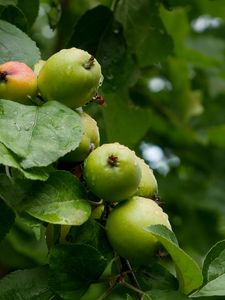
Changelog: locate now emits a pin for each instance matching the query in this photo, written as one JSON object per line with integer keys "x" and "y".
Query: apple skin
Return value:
{"x": 126, "y": 232}
{"x": 70, "y": 76}
{"x": 38, "y": 66}
{"x": 18, "y": 82}
{"x": 112, "y": 172}
{"x": 148, "y": 186}
{"x": 90, "y": 140}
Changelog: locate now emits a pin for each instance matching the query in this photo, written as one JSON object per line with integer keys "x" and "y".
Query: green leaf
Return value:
{"x": 29, "y": 284}
{"x": 92, "y": 233}
{"x": 7, "y": 217}
{"x": 188, "y": 272}
{"x": 165, "y": 295}
{"x": 16, "y": 45}
{"x": 120, "y": 116}
{"x": 39, "y": 135}
{"x": 73, "y": 268}
{"x": 90, "y": 28}
{"x": 214, "y": 287}
{"x": 213, "y": 272}
{"x": 15, "y": 16}
{"x": 214, "y": 263}
{"x": 216, "y": 135}
{"x": 59, "y": 200}
{"x": 144, "y": 30}
{"x": 8, "y": 2}
{"x": 9, "y": 159}
{"x": 22, "y": 248}
{"x": 156, "y": 277}
{"x": 30, "y": 9}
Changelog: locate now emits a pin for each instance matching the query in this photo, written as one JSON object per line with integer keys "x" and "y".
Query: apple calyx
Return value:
{"x": 113, "y": 161}
{"x": 3, "y": 76}
{"x": 90, "y": 63}
{"x": 99, "y": 100}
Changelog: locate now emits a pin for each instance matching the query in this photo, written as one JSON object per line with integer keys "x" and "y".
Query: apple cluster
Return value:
{"x": 112, "y": 172}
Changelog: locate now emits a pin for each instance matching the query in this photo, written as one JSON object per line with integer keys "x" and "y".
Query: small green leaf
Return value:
{"x": 214, "y": 287}
{"x": 213, "y": 272}
{"x": 73, "y": 268}
{"x": 188, "y": 272}
{"x": 9, "y": 159}
{"x": 214, "y": 263}
{"x": 39, "y": 135}
{"x": 7, "y": 218}
{"x": 29, "y": 284}
{"x": 16, "y": 45}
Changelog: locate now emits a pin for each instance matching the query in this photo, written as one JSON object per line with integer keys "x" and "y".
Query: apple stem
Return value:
{"x": 3, "y": 76}
{"x": 113, "y": 161}
{"x": 90, "y": 63}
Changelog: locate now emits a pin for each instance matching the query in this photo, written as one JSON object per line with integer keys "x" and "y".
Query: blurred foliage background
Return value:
{"x": 164, "y": 86}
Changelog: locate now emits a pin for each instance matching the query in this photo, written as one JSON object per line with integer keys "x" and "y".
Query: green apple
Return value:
{"x": 18, "y": 82}
{"x": 38, "y": 66}
{"x": 70, "y": 76}
{"x": 89, "y": 141}
{"x": 112, "y": 172}
{"x": 126, "y": 232}
{"x": 148, "y": 186}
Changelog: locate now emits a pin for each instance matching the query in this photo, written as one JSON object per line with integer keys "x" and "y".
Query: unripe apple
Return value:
{"x": 126, "y": 229}
{"x": 18, "y": 82}
{"x": 90, "y": 140}
{"x": 148, "y": 186}
{"x": 38, "y": 66}
{"x": 70, "y": 76}
{"x": 112, "y": 172}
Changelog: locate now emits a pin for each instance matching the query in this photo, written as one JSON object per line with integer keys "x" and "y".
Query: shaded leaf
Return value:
{"x": 39, "y": 135}
{"x": 30, "y": 9}
{"x": 15, "y": 16}
{"x": 165, "y": 295}
{"x": 22, "y": 248}
{"x": 216, "y": 136}
{"x": 16, "y": 45}
{"x": 29, "y": 284}
{"x": 7, "y": 217}
{"x": 73, "y": 268}
{"x": 144, "y": 30}
{"x": 92, "y": 233}
{"x": 188, "y": 272}
{"x": 156, "y": 277}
